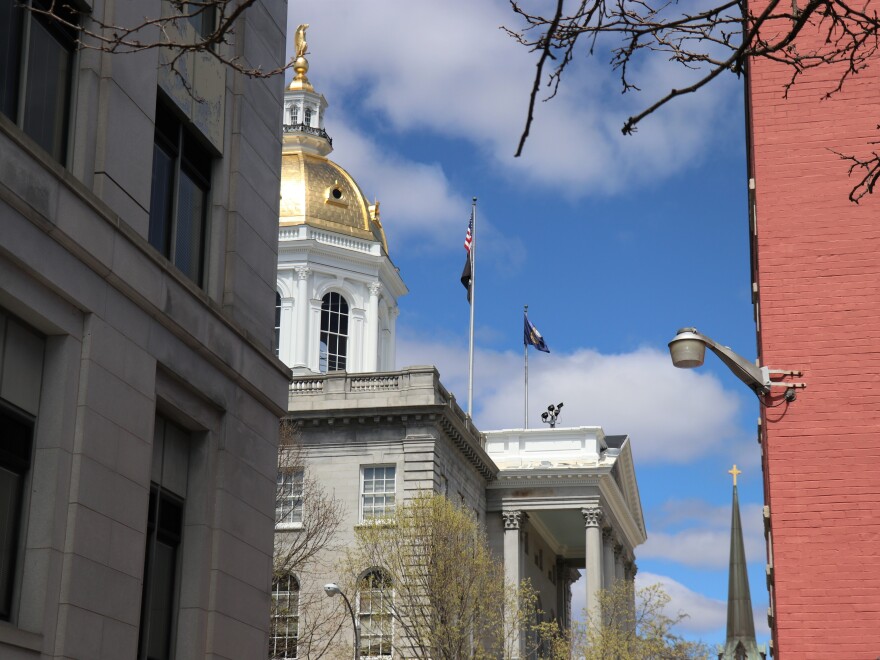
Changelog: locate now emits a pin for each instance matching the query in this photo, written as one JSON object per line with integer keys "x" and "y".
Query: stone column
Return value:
{"x": 391, "y": 352}
{"x": 609, "y": 573}
{"x": 630, "y": 570}
{"x": 618, "y": 561}
{"x": 300, "y": 357}
{"x": 593, "y": 576}
{"x": 371, "y": 350}
{"x": 562, "y": 586}
{"x": 513, "y": 521}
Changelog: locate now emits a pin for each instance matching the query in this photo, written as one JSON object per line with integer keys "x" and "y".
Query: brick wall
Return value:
{"x": 817, "y": 259}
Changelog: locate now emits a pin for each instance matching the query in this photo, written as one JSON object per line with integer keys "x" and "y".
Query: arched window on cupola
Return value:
{"x": 308, "y": 117}
{"x": 294, "y": 114}
{"x": 334, "y": 333}
{"x": 277, "y": 322}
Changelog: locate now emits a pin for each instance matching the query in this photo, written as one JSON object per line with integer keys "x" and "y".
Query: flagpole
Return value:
{"x": 526, "y": 388}
{"x": 473, "y": 297}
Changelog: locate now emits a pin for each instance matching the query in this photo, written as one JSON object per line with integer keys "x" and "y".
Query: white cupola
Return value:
{"x": 337, "y": 290}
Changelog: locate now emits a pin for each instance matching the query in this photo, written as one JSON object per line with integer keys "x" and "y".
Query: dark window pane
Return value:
{"x": 191, "y": 202}
{"x": 15, "y": 456}
{"x": 10, "y": 505}
{"x": 164, "y": 530}
{"x": 10, "y": 56}
{"x": 162, "y": 583}
{"x": 47, "y": 89}
{"x": 201, "y": 17}
{"x": 161, "y": 200}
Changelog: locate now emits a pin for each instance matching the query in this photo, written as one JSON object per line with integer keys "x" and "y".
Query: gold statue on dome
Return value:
{"x": 299, "y": 40}
{"x": 300, "y": 63}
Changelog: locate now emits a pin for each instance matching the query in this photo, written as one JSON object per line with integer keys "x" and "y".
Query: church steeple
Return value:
{"x": 740, "y": 643}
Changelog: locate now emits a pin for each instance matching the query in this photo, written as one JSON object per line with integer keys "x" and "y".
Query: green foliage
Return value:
{"x": 630, "y": 626}
{"x": 450, "y": 601}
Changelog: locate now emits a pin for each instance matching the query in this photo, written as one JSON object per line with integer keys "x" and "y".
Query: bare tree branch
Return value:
{"x": 718, "y": 39}
{"x": 174, "y": 33}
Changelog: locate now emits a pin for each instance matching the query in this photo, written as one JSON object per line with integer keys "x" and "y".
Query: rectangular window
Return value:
{"x": 15, "y": 461}
{"x": 375, "y": 601}
{"x": 289, "y": 498}
{"x": 159, "y": 600}
{"x": 179, "y": 195}
{"x": 202, "y": 16}
{"x": 36, "y": 66}
{"x": 284, "y": 631}
{"x": 377, "y": 492}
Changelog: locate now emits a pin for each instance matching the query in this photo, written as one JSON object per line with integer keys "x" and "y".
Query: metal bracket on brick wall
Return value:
{"x": 783, "y": 373}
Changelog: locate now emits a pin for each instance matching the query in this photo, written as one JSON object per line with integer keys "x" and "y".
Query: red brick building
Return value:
{"x": 816, "y": 269}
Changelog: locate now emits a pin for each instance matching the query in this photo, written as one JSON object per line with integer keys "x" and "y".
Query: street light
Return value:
{"x": 332, "y": 589}
{"x": 551, "y": 415}
{"x": 688, "y": 349}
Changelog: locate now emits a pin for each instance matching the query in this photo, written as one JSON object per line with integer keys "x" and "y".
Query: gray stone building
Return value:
{"x": 139, "y": 392}
{"x": 552, "y": 500}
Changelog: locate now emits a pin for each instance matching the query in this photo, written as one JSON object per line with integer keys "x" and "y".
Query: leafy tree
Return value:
{"x": 708, "y": 38}
{"x": 627, "y": 628}
{"x": 450, "y": 598}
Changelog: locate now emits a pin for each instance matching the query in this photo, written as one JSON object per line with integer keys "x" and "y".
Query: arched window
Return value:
{"x": 334, "y": 333}
{"x": 308, "y": 114}
{"x": 277, "y": 322}
{"x": 294, "y": 115}
{"x": 375, "y": 599}
{"x": 284, "y": 632}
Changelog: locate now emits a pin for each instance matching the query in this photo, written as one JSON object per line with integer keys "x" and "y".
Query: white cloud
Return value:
{"x": 448, "y": 69}
{"x": 671, "y": 415}
{"x": 705, "y": 540}
{"x": 417, "y": 198}
{"x": 704, "y": 614}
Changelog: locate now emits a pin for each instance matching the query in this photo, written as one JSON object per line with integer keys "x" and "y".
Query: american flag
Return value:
{"x": 469, "y": 236}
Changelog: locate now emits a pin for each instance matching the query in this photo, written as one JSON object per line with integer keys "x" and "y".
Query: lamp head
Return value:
{"x": 687, "y": 348}
{"x": 332, "y": 589}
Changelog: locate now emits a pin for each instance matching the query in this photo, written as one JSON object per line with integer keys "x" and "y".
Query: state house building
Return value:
{"x": 551, "y": 500}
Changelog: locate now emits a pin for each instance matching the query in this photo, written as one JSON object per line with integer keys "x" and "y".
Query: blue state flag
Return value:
{"x": 532, "y": 337}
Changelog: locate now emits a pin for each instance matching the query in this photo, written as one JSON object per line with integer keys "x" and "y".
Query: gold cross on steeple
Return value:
{"x": 734, "y": 472}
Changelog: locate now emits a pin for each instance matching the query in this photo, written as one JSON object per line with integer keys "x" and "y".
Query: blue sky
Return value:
{"x": 614, "y": 243}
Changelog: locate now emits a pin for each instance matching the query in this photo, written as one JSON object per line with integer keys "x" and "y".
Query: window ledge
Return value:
{"x": 13, "y": 636}
{"x": 377, "y": 522}
{"x": 288, "y": 527}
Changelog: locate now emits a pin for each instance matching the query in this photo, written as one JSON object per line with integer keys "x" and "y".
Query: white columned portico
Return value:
{"x": 371, "y": 352}
{"x": 513, "y": 521}
{"x": 593, "y": 561}
{"x": 300, "y": 359}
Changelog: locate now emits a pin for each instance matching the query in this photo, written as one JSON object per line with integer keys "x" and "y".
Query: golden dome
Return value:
{"x": 317, "y": 192}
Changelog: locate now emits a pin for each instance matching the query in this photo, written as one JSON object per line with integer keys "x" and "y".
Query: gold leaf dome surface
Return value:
{"x": 317, "y": 192}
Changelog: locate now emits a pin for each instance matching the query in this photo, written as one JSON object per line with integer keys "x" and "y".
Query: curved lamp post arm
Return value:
{"x": 332, "y": 590}
{"x": 689, "y": 346}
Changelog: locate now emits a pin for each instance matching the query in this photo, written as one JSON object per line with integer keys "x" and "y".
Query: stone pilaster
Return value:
{"x": 513, "y": 523}
{"x": 300, "y": 356}
{"x": 371, "y": 349}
